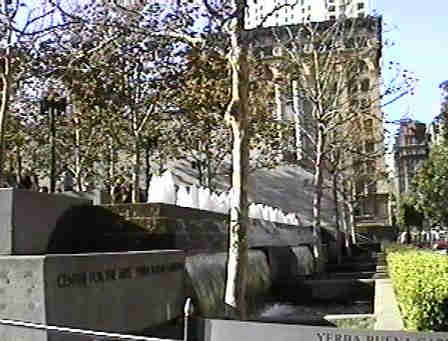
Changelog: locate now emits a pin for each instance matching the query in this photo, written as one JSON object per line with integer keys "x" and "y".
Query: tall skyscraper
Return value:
{"x": 262, "y": 11}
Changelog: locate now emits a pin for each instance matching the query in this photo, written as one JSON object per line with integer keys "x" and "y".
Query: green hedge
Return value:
{"x": 420, "y": 280}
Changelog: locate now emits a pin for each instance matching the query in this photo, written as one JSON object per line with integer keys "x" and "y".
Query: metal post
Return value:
{"x": 188, "y": 311}
{"x": 52, "y": 117}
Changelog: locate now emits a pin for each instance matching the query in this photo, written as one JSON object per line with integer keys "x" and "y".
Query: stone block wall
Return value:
{"x": 114, "y": 292}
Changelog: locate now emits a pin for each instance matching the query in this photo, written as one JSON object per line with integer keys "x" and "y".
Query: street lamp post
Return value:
{"x": 52, "y": 104}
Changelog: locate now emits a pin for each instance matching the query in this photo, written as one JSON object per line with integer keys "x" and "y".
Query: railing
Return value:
{"x": 96, "y": 335}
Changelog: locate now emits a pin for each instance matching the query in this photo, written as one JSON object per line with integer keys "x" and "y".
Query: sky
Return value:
{"x": 419, "y": 30}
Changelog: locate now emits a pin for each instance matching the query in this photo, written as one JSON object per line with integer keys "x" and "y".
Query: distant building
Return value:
{"x": 362, "y": 45}
{"x": 410, "y": 150}
{"x": 304, "y": 11}
{"x": 435, "y": 131}
{"x": 437, "y": 128}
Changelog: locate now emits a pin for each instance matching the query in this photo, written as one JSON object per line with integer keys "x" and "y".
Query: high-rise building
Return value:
{"x": 410, "y": 150}
{"x": 302, "y": 11}
{"x": 438, "y": 127}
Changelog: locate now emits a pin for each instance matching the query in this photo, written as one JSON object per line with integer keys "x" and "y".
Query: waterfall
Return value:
{"x": 194, "y": 193}
{"x": 222, "y": 205}
{"x": 305, "y": 261}
{"x": 206, "y": 274}
{"x": 162, "y": 189}
{"x": 184, "y": 197}
{"x": 205, "y": 202}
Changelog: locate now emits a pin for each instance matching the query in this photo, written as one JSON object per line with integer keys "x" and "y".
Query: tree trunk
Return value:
{"x": 336, "y": 201}
{"x": 344, "y": 218}
{"x": 4, "y": 105}
{"x": 238, "y": 258}
{"x": 235, "y": 295}
{"x": 351, "y": 212}
{"x": 297, "y": 118}
{"x": 111, "y": 171}
{"x": 337, "y": 217}
{"x": 148, "y": 175}
{"x": 78, "y": 154}
{"x": 317, "y": 195}
{"x": 209, "y": 173}
{"x": 347, "y": 235}
{"x": 135, "y": 195}
{"x": 5, "y": 76}
{"x": 19, "y": 164}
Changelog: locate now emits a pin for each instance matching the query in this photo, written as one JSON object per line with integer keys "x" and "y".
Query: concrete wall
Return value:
{"x": 28, "y": 218}
{"x": 224, "y": 330}
{"x": 18, "y": 333}
{"x": 115, "y": 292}
{"x": 33, "y": 223}
{"x": 22, "y": 288}
{"x": 195, "y": 230}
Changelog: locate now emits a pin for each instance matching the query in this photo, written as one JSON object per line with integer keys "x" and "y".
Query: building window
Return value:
{"x": 362, "y": 66}
{"x": 370, "y": 148}
{"x": 332, "y": 17}
{"x": 365, "y": 104}
{"x": 361, "y": 14}
{"x": 365, "y": 85}
{"x": 409, "y": 139}
{"x": 352, "y": 87}
{"x": 354, "y": 104}
{"x": 368, "y": 125}
{"x": 360, "y": 5}
{"x": 331, "y": 8}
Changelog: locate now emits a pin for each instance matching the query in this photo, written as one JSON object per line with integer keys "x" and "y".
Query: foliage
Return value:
{"x": 431, "y": 185}
{"x": 202, "y": 98}
{"x": 409, "y": 214}
{"x": 420, "y": 280}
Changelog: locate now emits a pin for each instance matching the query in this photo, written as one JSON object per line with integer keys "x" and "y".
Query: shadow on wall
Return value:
{"x": 85, "y": 229}
{"x": 90, "y": 229}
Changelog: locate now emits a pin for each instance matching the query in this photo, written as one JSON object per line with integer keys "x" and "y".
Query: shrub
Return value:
{"x": 420, "y": 280}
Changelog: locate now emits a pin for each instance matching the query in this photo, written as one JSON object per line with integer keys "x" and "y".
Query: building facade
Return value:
{"x": 410, "y": 150}
{"x": 359, "y": 107}
{"x": 262, "y": 11}
{"x": 437, "y": 130}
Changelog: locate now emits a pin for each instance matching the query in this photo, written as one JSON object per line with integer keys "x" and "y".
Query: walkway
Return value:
{"x": 387, "y": 313}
